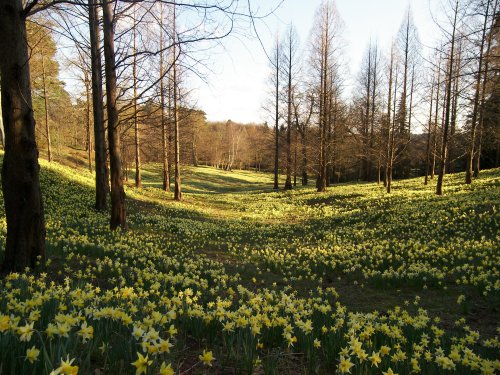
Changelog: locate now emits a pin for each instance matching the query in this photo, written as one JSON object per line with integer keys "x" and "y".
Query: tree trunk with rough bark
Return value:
{"x": 177, "y": 164}
{"x": 288, "y": 180}
{"x": 470, "y": 156}
{"x": 118, "y": 215}
{"x": 89, "y": 122}
{"x": 137, "y": 142}
{"x": 449, "y": 77}
{"x": 276, "y": 117}
{"x": 46, "y": 107}
{"x": 429, "y": 131}
{"x": 25, "y": 243}
{"x": 101, "y": 167}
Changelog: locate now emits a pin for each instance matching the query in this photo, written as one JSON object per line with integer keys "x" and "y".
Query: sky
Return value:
{"x": 237, "y": 82}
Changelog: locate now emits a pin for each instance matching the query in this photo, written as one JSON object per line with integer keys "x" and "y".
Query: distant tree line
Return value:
{"x": 408, "y": 115}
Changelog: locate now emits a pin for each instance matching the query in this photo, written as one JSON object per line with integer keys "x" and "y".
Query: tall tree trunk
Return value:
{"x": 454, "y": 109}
{"x": 372, "y": 117}
{"x": 118, "y": 215}
{"x": 88, "y": 121}
{"x": 138, "y": 180}
{"x": 194, "y": 151}
{"x": 321, "y": 184}
{"x": 429, "y": 131}
{"x": 470, "y": 156}
{"x": 295, "y": 158}
{"x": 444, "y": 145}
{"x": 25, "y": 244}
{"x": 165, "y": 144}
{"x": 304, "y": 158}
{"x": 288, "y": 181}
{"x": 365, "y": 165}
{"x": 392, "y": 137}
{"x": 388, "y": 162}
{"x": 177, "y": 191}
{"x": 101, "y": 166}
{"x": 436, "y": 114}
{"x": 276, "y": 118}
{"x": 46, "y": 107}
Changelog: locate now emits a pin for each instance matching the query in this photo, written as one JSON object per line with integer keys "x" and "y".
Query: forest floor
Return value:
{"x": 268, "y": 281}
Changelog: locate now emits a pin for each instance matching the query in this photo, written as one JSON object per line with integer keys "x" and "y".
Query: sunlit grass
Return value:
{"x": 268, "y": 282}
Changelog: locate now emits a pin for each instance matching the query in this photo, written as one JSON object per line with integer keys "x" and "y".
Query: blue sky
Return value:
{"x": 237, "y": 84}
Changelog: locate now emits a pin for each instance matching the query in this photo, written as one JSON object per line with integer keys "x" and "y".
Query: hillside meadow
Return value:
{"x": 241, "y": 279}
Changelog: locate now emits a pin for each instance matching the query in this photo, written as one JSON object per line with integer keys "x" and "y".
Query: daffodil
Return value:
{"x": 141, "y": 364}
{"x": 375, "y": 359}
{"x": 345, "y": 365}
{"x": 166, "y": 369}
{"x": 206, "y": 358}
{"x": 66, "y": 367}
{"x": 32, "y": 354}
{"x": 389, "y": 372}
{"x": 25, "y": 332}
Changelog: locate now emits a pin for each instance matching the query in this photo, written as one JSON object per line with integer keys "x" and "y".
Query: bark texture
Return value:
{"x": 25, "y": 243}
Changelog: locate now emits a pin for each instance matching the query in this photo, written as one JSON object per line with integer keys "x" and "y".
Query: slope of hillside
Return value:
{"x": 352, "y": 280}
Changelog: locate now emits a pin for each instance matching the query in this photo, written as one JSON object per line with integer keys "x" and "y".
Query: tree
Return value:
{"x": 477, "y": 94}
{"x": 448, "y": 80}
{"x": 489, "y": 146}
{"x": 369, "y": 81}
{"x": 137, "y": 148}
{"x": 101, "y": 169}
{"x": 175, "y": 82}
{"x": 290, "y": 57}
{"x": 47, "y": 90}
{"x": 436, "y": 115}
{"x": 408, "y": 45}
{"x": 429, "y": 135}
{"x": 302, "y": 121}
{"x": 164, "y": 131}
{"x": 275, "y": 62}
{"x": 25, "y": 244}
{"x": 327, "y": 45}
{"x": 390, "y": 123}
{"x": 118, "y": 216}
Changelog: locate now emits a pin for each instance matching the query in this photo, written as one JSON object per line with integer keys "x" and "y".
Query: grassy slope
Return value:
{"x": 366, "y": 221}
{"x": 377, "y": 251}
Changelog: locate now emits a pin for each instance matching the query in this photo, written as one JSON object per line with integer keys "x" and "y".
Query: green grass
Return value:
{"x": 236, "y": 264}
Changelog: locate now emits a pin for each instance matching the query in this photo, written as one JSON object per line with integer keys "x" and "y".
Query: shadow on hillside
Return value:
{"x": 203, "y": 182}
{"x": 328, "y": 200}
{"x": 59, "y": 189}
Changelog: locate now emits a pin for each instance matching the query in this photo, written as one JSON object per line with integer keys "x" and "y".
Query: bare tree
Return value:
{"x": 164, "y": 131}
{"x": 448, "y": 80}
{"x": 276, "y": 61}
{"x": 408, "y": 45}
{"x": 390, "y": 123}
{"x": 325, "y": 68}
{"x": 429, "y": 134}
{"x": 369, "y": 81}
{"x": 477, "y": 94}
{"x": 101, "y": 169}
{"x": 177, "y": 166}
{"x": 303, "y": 106}
{"x": 137, "y": 148}
{"x": 290, "y": 46}
{"x": 118, "y": 216}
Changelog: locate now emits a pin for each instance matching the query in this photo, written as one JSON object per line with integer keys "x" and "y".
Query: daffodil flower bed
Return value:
{"x": 170, "y": 296}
